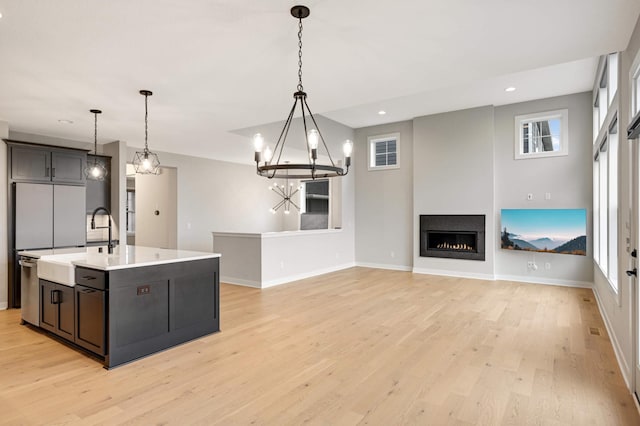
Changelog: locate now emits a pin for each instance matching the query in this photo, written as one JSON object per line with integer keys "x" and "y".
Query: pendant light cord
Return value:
{"x": 300, "y": 88}
{"x": 146, "y": 127}
{"x": 95, "y": 138}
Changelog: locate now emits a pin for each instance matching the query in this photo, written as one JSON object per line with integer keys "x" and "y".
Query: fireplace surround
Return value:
{"x": 453, "y": 236}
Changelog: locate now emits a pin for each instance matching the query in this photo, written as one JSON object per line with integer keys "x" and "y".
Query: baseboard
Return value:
{"x": 4, "y": 306}
{"x": 446, "y": 273}
{"x": 545, "y": 281}
{"x": 239, "y": 281}
{"x": 622, "y": 362}
{"x": 290, "y": 278}
{"x": 385, "y": 266}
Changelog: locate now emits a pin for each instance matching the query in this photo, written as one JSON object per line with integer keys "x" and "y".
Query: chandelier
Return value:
{"x": 146, "y": 162}
{"x": 96, "y": 170}
{"x": 286, "y": 192}
{"x": 312, "y": 169}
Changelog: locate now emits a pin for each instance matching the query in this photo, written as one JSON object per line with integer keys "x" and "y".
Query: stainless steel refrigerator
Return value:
{"x": 47, "y": 216}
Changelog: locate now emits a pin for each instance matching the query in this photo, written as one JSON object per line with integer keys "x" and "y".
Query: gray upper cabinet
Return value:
{"x": 43, "y": 164}
{"x": 32, "y": 164}
{"x": 68, "y": 166}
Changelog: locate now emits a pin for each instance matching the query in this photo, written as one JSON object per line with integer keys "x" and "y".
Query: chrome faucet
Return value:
{"x": 110, "y": 245}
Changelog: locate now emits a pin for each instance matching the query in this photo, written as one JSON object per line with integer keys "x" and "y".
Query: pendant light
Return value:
{"x": 95, "y": 170}
{"x": 312, "y": 136}
{"x": 146, "y": 162}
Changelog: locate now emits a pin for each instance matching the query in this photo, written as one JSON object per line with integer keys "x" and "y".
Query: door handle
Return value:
{"x": 633, "y": 272}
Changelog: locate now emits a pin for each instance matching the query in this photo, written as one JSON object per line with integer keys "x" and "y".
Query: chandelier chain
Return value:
{"x": 300, "y": 88}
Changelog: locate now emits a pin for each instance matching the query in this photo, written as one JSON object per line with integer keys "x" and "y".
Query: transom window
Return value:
{"x": 384, "y": 152}
{"x": 542, "y": 134}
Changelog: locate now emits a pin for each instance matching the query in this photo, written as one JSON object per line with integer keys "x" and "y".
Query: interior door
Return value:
{"x": 635, "y": 294}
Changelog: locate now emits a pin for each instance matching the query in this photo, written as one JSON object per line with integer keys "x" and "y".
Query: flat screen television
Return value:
{"x": 562, "y": 231}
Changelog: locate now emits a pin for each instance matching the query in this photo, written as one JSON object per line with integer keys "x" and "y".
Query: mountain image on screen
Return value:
{"x": 577, "y": 246}
{"x": 561, "y": 231}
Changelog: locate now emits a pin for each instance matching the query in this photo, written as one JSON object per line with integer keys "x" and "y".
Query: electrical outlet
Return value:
{"x": 282, "y": 264}
{"x": 531, "y": 265}
{"x": 547, "y": 195}
{"x": 547, "y": 265}
{"x": 529, "y": 196}
{"x": 393, "y": 254}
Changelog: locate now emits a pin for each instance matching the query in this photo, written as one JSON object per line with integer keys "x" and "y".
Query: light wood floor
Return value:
{"x": 360, "y": 346}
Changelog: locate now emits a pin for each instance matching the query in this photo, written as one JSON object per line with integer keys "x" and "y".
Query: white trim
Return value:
{"x": 290, "y": 278}
{"x": 385, "y": 266}
{"x": 371, "y": 141}
{"x": 239, "y": 281}
{"x": 627, "y": 372}
{"x": 447, "y": 273}
{"x": 4, "y": 306}
{"x": 545, "y": 281}
{"x": 562, "y": 114}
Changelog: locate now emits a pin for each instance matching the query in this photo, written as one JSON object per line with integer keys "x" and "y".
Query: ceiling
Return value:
{"x": 216, "y": 66}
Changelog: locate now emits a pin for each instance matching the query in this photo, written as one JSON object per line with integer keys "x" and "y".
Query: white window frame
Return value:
{"x": 371, "y": 142}
{"x": 562, "y": 114}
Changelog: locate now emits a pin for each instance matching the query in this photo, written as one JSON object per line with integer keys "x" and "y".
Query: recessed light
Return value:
{"x": 0, "y": 14}
{"x": 65, "y": 121}
{"x": 382, "y": 112}
{"x": 510, "y": 89}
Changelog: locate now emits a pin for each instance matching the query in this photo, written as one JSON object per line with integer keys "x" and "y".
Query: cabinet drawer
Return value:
{"x": 91, "y": 278}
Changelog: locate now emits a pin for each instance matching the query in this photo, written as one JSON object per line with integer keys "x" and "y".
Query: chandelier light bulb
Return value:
{"x": 258, "y": 142}
{"x": 268, "y": 154}
{"x": 313, "y": 139}
{"x": 272, "y": 211}
{"x": 347, "y": 148}
{"x": 95, "y": 172}
{"x": 287, "y": 212}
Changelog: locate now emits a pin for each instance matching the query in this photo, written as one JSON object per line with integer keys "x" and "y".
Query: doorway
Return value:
{"x": 152, "y": 209}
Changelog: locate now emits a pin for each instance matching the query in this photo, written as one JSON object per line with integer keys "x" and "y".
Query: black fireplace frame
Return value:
{"x": 464, "y": 223}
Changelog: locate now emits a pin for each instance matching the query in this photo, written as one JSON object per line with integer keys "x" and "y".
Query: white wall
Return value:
{"x": 216, "y": 196}
{"x": 617, "y": 310}
{"x": 4, "y": 195}
{"x": 567, "y": 178}
{"x": 157, "y": 193}
{"x": 453, "y": 172}
{"x": 384, "y": 202}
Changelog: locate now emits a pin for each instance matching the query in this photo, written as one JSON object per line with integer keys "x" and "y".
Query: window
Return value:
{"x": 613, "y": 204}
{"x": 544, "y": 134}
{"x": 604, "y": 189}
{"x": 314, "y": 204}
{"x": 384, "y": 152}
{"x": 605, "y": 205}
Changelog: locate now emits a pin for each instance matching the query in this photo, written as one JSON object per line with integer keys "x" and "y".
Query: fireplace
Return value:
{"x": 452, "y": 236}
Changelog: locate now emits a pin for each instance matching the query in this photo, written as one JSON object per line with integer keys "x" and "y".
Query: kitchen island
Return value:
{"x": 129, "y": 304}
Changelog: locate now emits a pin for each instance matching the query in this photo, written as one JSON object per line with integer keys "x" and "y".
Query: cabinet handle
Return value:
{"x": 46, "y": 172}
{"x": 53, "y": 172}
{"x": 89, "y": 277}
{"x": 55, "y": 297}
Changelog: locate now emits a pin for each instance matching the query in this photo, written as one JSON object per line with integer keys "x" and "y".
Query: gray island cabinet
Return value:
{"x": 135, "y": 302}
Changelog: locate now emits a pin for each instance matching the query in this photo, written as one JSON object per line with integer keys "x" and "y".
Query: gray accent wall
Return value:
{"x": 567, "y": 179}
{"x": 453, "y": 167}
{"x": 462, "y": 162}
{"x": 384, "y": 202}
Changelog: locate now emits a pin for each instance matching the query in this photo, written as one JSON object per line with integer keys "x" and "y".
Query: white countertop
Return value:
{"x": 277, "y": 234}
{"x": 123, "y": 256}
